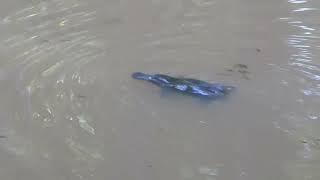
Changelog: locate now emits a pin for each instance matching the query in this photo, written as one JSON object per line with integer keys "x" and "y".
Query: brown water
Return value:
{"x": 70, "y": 110}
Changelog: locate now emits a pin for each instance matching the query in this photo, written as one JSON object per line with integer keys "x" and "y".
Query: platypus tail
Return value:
{"x": 142, "y": 76}
{"x": 222, "y": 88}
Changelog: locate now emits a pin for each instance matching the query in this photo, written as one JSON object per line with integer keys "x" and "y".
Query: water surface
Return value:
{"x": 70, "y": 110}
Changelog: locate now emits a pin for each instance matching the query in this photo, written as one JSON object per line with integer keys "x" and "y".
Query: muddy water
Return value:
{"x": 70, "y": 110}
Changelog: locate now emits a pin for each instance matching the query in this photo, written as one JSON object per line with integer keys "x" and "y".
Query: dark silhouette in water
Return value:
{"x": 186, "y": 85}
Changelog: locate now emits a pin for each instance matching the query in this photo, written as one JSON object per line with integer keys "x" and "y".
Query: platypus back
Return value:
{"x": 185, "y": 85}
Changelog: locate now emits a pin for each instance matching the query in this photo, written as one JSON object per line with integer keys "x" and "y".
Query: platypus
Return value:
{"x": 186, "y": 85}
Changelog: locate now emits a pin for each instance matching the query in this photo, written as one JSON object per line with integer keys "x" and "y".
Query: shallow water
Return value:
{"x": 70, "y": 110}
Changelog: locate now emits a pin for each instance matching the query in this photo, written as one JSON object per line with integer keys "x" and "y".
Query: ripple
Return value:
{"x": 297, "y": 1}
{"x": 52, "y": 45}
{"x": 304, "y": 63}
{"x": 305, "y": 9}
{"x": 306, "y": 28}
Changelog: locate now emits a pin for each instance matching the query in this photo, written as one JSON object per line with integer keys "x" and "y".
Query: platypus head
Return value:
{"x": 142, "y": 76}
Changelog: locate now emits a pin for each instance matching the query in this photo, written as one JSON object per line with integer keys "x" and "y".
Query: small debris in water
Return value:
{"x": 242, "y": 69}
{"x": 81, "y": 96}
{"x": 240, "y": 66}
{"x": 148, "y": 164}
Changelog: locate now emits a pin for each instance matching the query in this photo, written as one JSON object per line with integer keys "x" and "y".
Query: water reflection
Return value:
{"x": 304, "y": 62}
{"x": 52, "y": 44}
{"x": 305, "y": 9}
{"x": 297, "y": 1}
{"x": 304, "y": 44}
